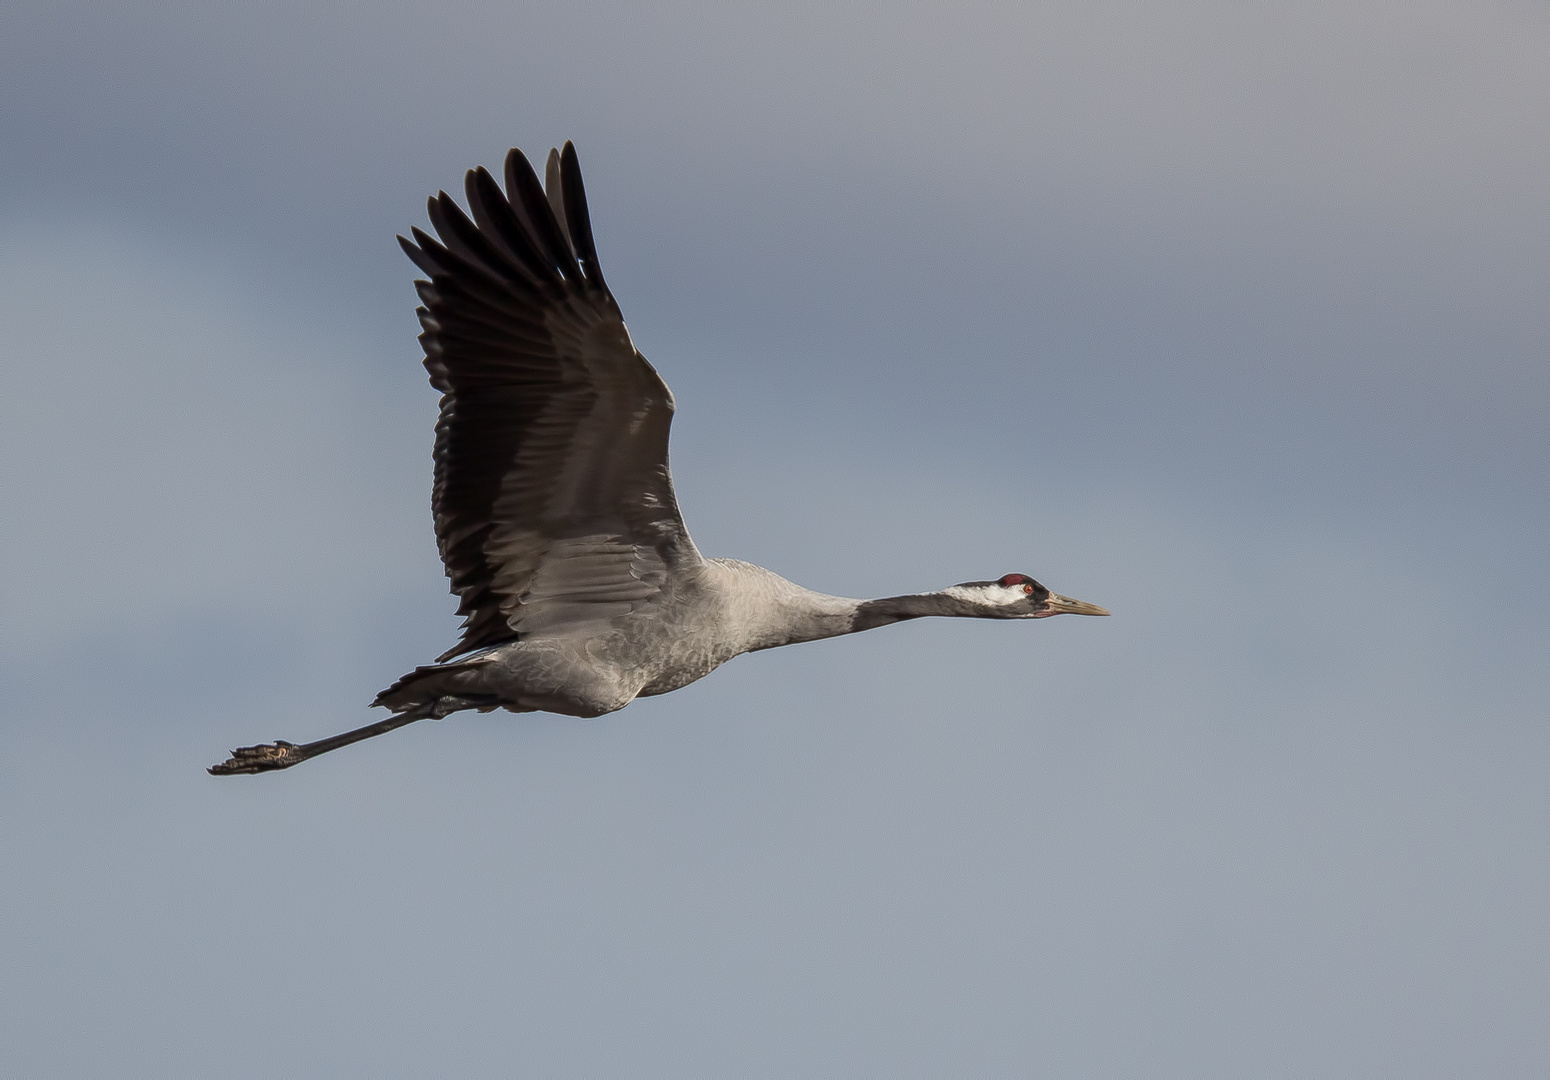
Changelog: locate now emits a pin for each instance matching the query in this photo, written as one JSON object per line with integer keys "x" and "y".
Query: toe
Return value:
{"x": 256, "y": 759}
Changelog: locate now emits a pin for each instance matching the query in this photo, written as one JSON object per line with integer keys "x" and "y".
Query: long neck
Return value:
{"x": 772, "y": 611}
{"x": 892, "y": 609}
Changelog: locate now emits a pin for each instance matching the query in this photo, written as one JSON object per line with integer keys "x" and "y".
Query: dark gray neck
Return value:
{"x": 892, "y": 609}
{"x": 762, "y": 610}
{"x": 806, "y": 616}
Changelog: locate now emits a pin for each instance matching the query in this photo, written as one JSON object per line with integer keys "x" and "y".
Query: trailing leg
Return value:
{"x": 280, "y": 754}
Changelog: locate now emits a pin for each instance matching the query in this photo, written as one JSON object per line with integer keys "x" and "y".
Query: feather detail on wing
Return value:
{"x": 553, "y": 502}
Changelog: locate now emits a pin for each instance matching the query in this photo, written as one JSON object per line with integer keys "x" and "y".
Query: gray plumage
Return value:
{"x": 552, "y": 499}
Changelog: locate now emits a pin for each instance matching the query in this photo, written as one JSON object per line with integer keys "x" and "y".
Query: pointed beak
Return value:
{"x": 1064, "y": 605}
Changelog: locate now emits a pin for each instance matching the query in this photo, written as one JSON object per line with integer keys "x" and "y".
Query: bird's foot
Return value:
{"x": 256, "y": 759}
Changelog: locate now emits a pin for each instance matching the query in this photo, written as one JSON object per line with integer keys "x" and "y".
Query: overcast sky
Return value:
{"x": 1230, "y": 318}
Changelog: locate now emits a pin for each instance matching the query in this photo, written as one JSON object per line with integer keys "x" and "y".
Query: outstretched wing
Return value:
{"x": 553, "y": 502}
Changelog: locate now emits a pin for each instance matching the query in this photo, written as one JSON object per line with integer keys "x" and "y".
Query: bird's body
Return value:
{"x": 725, "y": 609}
{"x": 553, "y": 502}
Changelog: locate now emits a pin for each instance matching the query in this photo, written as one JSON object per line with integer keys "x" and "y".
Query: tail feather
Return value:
{"x": 429, "y": 683}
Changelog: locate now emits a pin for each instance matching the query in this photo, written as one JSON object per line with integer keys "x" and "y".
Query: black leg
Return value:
{"x": 282, "y": 755}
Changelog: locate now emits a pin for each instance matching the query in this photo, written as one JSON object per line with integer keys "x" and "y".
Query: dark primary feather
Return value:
{"x": 578, "y": 223}
{"x": 553, "y": 504}
{"x": 532, "y": 206}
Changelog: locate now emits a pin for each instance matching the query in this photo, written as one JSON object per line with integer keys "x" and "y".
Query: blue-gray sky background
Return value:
{"x": 1231, "y": 318}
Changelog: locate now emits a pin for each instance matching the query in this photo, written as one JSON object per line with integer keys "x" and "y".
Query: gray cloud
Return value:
{"x": 1230, "y": 321}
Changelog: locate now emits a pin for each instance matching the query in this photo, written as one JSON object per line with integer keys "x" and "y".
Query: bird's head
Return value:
{"x": 1018, "y": 596}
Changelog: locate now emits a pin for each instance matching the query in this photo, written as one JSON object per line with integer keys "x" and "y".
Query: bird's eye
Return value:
{"x": 1028, "y": 589}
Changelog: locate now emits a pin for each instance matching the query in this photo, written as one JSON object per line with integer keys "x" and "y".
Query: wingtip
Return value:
{"x": 481, "y": 179}
{"x": 516, "y": 163}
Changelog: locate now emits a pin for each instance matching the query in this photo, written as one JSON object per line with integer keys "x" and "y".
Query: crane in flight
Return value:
{"x": 553, "y": 504}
